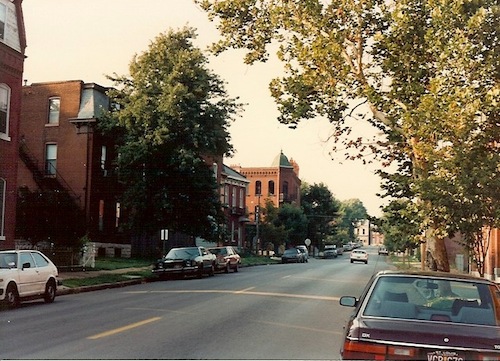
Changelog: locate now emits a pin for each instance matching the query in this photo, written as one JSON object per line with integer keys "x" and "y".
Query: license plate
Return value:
{"x": 444, "y": 356}
{"x": 177, "y": 266}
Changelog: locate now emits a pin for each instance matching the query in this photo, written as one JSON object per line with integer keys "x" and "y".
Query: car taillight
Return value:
{"x": 489, "y": 357}
{"x": 356, "y": 350}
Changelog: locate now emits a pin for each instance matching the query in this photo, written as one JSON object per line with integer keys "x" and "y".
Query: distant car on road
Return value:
{"x": 403, "y": 315}
{"x": 26, "y": 274}
{"x": 330, "y": 251}
{"x": 340, "y": 250}
{"x": 348, "y": 247}
{"x": 383, "y": 250}
{"x": 292, "y": 255}
{"x": 359, "y": 255}
{"x": 184, "y": 261}
{"x": 227, "y": 258}
{"x": 305, "y": 252}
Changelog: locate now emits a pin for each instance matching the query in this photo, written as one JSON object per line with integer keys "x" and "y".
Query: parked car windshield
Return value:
{"x": 7, "y": 260}
{"x": 182, "y": 253}
{"x": 218, "y": 251}
{"x": 434, "y": 299}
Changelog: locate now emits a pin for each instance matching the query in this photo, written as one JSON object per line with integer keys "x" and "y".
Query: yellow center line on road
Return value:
{"x": 245, "y": 290}
{"x": 122, "y": 329}
{"x": 248, "y": 291}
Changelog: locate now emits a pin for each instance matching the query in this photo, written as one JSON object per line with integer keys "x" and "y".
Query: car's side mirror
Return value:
{"x": 348, "y": 301}
{"x": 26, "y": 265}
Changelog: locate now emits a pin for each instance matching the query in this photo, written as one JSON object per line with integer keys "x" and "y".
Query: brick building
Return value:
{"x": 233, "y": 198}
{"x": 12, "y": 47}
{"x": 278, "y": 183}
{"x": 61, "y": 152}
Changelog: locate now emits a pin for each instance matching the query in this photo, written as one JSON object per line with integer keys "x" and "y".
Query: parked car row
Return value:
{"x": 26, "y": 274}
{"x": 197, "y": 261}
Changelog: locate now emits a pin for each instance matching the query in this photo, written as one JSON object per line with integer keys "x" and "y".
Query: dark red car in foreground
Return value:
{"x": 424, "y": 316}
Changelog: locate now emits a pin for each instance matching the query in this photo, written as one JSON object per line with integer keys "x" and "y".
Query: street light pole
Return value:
{"x": 257, "y": 221}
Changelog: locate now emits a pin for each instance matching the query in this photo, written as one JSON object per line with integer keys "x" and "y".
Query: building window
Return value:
{"x": 50, "y": 159}
{"x": 3, "y": 185}
{"x": 233, "y": 197}
{"x": 103, "y": 160}
{"x": 54, "y": 109}
{"x": 117, "y": 214}
{"x": 285, "y": 190}
{"x": 242, "y": 200}
{"x": 258, "y": 188}
{"x": 4, "y": 110}
{"x": 3, "y": 18}
{"x": 225, "y": 195}
{"x": 101, "y": 215}
{"x": 271, "y": 187}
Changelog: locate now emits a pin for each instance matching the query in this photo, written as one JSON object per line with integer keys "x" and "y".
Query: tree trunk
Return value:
{"x": 437, "y": 257}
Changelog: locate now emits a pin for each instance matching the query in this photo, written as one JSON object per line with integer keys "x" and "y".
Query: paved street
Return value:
{"x": 288, "y": 311}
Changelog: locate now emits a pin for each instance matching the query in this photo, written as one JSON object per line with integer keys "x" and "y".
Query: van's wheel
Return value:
{"x": 12, "y": 296}
{"x": 50, "y": 291}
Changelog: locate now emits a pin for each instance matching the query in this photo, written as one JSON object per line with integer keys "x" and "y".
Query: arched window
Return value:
{"x": 271, "y": 187}
{"x": 258, "y": 188}
{"x": 285, "y": 189}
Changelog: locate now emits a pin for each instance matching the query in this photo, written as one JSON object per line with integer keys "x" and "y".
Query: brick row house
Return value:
{"x": 233, "y": 198}
{"x": 62, "y": 154}
{"x": 12, "y": 50}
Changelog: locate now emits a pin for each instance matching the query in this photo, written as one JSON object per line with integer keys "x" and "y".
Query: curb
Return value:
{"x": 103, "y": 286}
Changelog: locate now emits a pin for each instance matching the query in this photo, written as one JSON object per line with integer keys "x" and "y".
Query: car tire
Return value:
{"x": 211, "y": 272}
{"x": 199, "y": 274}
{"x": 50, "y": 291}
{"x": 235, "y": 269}
{"x": 12, "y": 296}
{"x": 366, "y": 262}
{"x": 352, "y": 261}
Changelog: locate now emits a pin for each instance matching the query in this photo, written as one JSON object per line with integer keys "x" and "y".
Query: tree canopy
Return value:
{"x": 170, "y": 119}
{"x": 428, "y": 71}
{"x": 321, "y": 209}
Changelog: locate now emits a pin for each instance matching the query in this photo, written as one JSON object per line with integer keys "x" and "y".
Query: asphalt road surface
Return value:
{"x": 283, "y": 311}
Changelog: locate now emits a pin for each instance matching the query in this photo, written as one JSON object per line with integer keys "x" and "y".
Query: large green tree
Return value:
{"x": 170, "y": 119}
{"x": 286, "y": 225}
{"x": 352, "y": 211}
{"x": 321, "y": 209}
{"x": 392, "y": 57}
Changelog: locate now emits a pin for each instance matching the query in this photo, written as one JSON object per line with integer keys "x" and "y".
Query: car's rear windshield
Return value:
{"x": 434, "y": 299}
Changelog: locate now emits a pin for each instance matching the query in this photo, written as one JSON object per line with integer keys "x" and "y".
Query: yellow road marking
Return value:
{"x": 245, "y": 290}
{"x": 248, "y": 292}
{"x": 124, "y": 328}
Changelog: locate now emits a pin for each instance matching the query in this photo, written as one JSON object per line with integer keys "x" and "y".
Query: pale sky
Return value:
{"x": 88, "y": 39}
